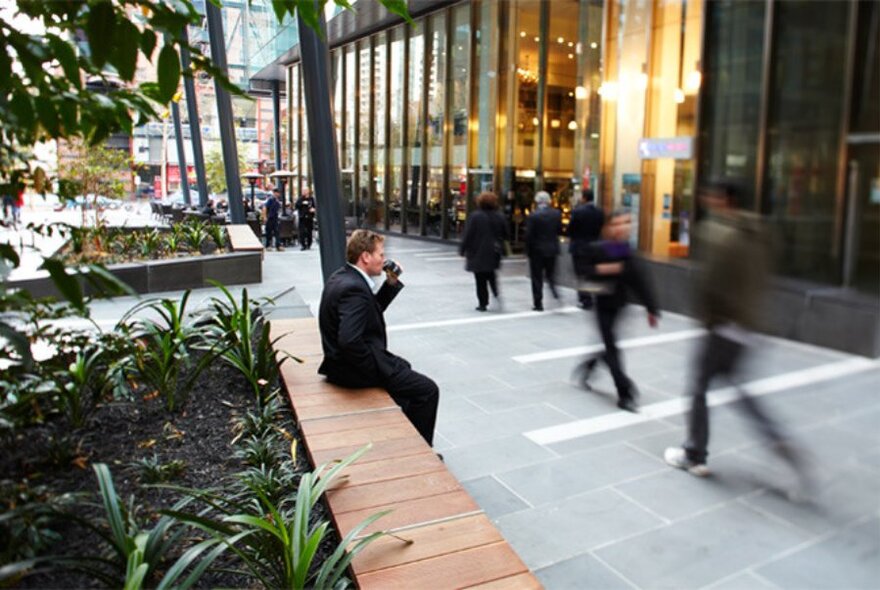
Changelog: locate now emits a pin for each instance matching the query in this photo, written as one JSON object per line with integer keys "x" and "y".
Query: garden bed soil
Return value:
{"x": 120, "y": 433}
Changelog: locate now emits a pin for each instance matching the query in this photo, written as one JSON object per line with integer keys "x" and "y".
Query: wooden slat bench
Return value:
{"x": 242, "y": 239}
{"x": 454, "y": 544}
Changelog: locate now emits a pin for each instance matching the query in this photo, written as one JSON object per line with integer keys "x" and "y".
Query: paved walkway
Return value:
{"x": 578, "y": 487}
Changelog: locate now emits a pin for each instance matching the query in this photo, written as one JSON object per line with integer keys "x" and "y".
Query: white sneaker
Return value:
{"x": 677, "y": 457}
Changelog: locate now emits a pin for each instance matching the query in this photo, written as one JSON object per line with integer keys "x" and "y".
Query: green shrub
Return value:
{"x": 153, "y": 470}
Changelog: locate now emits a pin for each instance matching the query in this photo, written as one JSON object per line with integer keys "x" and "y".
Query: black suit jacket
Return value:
{"x": 584, "y": 228}
{"x": 353, "y": 331}
{"x": 542, "y": 232}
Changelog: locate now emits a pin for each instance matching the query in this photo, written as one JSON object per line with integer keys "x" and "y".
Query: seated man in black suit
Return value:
{"x": 353, "y": 334}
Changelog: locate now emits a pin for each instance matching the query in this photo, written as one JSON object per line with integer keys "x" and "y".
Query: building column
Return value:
{"x": 195, "y": 129}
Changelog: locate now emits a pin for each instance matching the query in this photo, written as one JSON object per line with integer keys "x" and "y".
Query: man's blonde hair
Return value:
{"x": 360, "y": 241}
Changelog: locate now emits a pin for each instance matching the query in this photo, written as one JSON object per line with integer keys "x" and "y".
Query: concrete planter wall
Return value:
{"x": 155, "y": 276}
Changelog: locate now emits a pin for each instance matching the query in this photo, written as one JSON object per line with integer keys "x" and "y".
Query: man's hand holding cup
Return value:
{"x": 392, "y": 270}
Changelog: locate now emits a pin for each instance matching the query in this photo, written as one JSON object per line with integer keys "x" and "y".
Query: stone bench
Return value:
{"x": 454, "y": 544}
{"x": 242, "y": 239}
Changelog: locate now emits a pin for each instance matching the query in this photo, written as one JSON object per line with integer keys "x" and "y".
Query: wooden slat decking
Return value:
{"x": 454, "y": 545}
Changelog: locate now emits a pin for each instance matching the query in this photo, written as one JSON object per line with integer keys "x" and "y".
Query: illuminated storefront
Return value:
{"x": 639, "y": 100}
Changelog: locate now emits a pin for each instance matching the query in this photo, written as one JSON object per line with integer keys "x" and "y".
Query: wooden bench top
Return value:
{"x": 242, "y": 238}
{"x": 454, "y": 544}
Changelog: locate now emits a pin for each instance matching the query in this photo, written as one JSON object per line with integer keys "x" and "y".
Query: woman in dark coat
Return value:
{"x": 483, "y": 244}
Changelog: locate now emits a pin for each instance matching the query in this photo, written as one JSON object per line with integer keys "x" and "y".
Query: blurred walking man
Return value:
{"x": 734, "y": 257}
{"x": 543, "y": 227}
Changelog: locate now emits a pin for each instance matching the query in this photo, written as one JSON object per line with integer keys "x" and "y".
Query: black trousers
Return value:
{"x": 271, "y": 231}
{"x": 607, "y": 310}
{"x": 541, "y": 267}
{"x": 306, "y": 227}
{"x": 418, "y": 397}
{"x": 720, "y": 356}
{"x": 485, "y": 281}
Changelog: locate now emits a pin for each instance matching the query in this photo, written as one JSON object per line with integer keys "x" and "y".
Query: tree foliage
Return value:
{"x": 77, "y": 79}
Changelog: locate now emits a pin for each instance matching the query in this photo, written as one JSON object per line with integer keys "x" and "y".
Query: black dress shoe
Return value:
{"x": 538, "y": 308}
{"x": 480, "y": 308}
{"x": 629, "y": 405}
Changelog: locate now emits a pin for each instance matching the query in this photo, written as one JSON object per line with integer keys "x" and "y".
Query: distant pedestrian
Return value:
{"x": 8, "y": 205}
{"x": 584, "y": 228}
{"x": 271, "y": 208}
{"x": 305, "y": 211}
{"x": 733, "y": 251}
{"x": 17, "y": 204}
{"x": 483, "y": 244}
{"x": 617, "y": 273}
{"x": 543, "y": 228}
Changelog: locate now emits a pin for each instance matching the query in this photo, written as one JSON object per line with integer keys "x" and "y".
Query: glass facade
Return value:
{"x": 639, "y": 100}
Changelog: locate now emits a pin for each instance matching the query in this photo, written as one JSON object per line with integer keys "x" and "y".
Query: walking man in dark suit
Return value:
{"x": 584, "y": 228}
{"x": 305, "y": 210}
{"x": 353, "y": 334}
{"x": 543, "y": 227}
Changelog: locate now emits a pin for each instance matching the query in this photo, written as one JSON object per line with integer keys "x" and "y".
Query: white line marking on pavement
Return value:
{"x": 717, "y": 397}
{"x": 481, "y": 319}
{"x": 562, "y": 353}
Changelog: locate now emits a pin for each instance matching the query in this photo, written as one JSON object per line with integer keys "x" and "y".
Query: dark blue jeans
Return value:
{"x": 271, "y": 231}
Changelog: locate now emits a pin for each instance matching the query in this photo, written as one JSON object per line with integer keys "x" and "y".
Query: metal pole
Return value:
{"x": 851, "y": 232}
{"x": 195, "y": 129}
{"x": 181, "y": 154}
{"x": 276, "y": 119}
{"x": 322, "y": 143}
{"x": 224, "y": 115}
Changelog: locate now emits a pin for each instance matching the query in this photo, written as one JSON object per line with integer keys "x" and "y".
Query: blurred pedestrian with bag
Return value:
{"x": 483, "y": 243}
{"x": 615, "y": 270}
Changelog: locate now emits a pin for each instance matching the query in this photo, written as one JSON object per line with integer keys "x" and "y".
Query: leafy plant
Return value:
{"x": 163, "y": 360}
{"x": 153, "y": 470}
{"x": 138, "y": 552}
{"x": 149, "y": 241}
{"x": 258, "y": 422}
{"x": 218, "y": 234}
{"x": 277, "y": 542}
{"x": 260, "y": 449}
{"x": 195, "y": 235}
{"x": 29, "y": 519}
{"x": 172, "y": 242}
{"x": 78, "y": 386}
{"x": 246, "y": 335}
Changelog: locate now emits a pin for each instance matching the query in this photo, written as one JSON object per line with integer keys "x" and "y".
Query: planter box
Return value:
{"x": 154, "y": 276}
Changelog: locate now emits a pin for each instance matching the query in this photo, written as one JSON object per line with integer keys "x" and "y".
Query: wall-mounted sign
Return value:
{"x": 677, "y": 148}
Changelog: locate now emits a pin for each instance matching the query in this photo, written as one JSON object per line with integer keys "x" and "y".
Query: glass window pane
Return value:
{"x": 436, "y": 125}
{"x": 732, "y": 93}
{"x": 397, "y": 73}
{"x": 456, "y": 207}
{"x": 365, "y": 104}
{"x": 376, "y": 209}
{"x": 348, "y": 161}
{"x": 803, "y": 134}
{"x": 415, "y": 128}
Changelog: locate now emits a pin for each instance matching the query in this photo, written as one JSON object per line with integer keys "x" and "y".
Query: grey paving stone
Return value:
{"x": 453, "y": 409}
{"x": 493, "y": 497}
{"x": 610, "y": 437}
{"x": 578, "y": 573}
{"x": 744, "y": 581}
{"x": 698, "y": 551}
{"x": 555, "y": 532}
{"x": 842, "y": 496}
{"x": 853, "y": 553}
{"x": 561, "y": 397}
{"x": 475, "y": 460}
{"x": 675, "y": 494}
{"x": 554, "y": 480}
{"x": 484, "y": 427}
